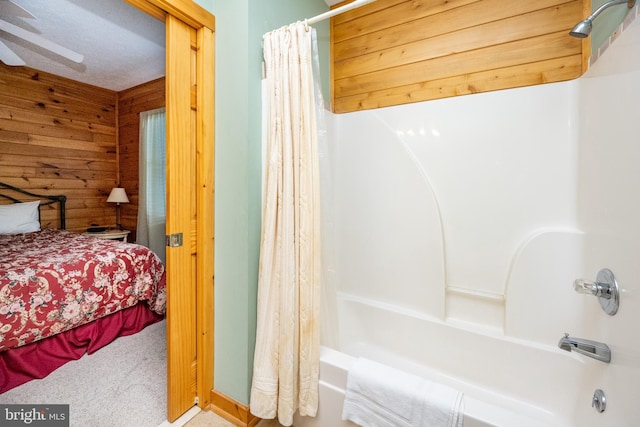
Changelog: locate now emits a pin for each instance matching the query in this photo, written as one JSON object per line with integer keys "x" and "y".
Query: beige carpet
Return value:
{"x": 121, "y": 385}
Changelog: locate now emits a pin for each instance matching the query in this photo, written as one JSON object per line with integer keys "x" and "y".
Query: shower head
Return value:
{"x": 583, "y": 28}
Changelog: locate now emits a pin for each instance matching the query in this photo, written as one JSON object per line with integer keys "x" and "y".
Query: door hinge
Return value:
{"x": 174, "y": 240}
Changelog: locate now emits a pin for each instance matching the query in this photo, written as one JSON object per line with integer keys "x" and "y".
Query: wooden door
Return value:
{"x": 190, "y": 201}
{"x": 181, "y": 219}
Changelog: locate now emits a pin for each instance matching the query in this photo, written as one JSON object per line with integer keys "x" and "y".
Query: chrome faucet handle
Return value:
{"x": 584, "y": 286}
{"x": 605, "y": 288}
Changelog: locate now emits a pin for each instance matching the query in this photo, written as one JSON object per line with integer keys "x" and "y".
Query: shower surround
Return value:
{"x": 454, "y": 230}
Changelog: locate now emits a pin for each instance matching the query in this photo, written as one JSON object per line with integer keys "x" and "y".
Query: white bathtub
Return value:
{"x": 334, "y": 367}
{"x": 505, "y": 382}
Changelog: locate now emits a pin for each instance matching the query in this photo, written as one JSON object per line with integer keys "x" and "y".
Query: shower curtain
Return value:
{"x": 286, "y": 359}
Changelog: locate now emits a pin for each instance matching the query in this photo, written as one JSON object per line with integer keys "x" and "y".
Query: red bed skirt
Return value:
{"x": 38, "y": 359}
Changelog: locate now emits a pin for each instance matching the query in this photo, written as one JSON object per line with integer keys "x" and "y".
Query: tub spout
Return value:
{"x": 593, "y": 349}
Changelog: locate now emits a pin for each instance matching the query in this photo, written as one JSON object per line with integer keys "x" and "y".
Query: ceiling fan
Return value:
{"x": 10, "y": 8}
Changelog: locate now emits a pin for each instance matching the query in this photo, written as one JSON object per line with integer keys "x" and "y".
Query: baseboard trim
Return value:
{"x": 232, "y": 411}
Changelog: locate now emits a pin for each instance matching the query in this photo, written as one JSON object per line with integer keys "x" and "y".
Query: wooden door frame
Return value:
{"x": 203, "y": 23}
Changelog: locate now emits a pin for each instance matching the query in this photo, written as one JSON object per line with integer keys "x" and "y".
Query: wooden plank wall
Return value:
{"x": 58, "y": 136}
{"x": 393, "y": 52}
{"x": 131, "y": 103}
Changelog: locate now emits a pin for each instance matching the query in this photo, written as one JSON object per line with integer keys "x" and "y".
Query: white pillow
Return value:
{"x": 19, "y": 218}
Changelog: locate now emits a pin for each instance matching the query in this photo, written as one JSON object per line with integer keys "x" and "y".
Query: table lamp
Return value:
{"x": 117, "y": 196}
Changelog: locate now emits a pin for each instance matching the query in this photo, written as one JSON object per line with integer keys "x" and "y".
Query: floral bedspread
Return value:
{"x": 53, "y": 280}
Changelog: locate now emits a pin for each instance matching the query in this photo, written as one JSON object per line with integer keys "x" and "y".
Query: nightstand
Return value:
{"x": 110, "y": 234}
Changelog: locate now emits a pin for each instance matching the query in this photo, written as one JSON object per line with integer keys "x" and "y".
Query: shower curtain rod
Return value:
{"x": 353, "y": 5}
{"x": 337, "y": 11}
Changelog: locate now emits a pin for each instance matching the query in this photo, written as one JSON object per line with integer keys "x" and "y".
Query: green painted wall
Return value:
{"x": 240, "y": 25}
{"x": 606, "y": 23}
{"x": 207, "y": 4}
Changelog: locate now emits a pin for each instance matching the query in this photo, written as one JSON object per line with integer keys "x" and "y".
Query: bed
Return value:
{"x": 64, "y": 294}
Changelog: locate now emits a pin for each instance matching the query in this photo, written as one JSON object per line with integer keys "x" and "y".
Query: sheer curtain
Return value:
{"x": 151, "y": 203}
{"x": 286, "y": 359}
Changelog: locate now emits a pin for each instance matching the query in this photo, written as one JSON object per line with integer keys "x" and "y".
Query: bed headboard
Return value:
{"x": 14, "y": 194}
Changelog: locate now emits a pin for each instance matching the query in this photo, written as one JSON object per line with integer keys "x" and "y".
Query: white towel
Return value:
{"x": 381, "y": 396}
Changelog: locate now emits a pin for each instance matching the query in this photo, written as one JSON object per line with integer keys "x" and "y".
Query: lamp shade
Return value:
{"x": 118, "y": 195}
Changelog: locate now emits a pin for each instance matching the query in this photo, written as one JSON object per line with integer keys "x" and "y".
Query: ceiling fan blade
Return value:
{"x": 9, "y": 8}
{"x": 9, "y": 57}
{"x": 40, "y": 41}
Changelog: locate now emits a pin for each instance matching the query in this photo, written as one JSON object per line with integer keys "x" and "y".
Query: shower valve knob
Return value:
{"x": 605, "y": 288}
{"x": 587, "y": 287}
